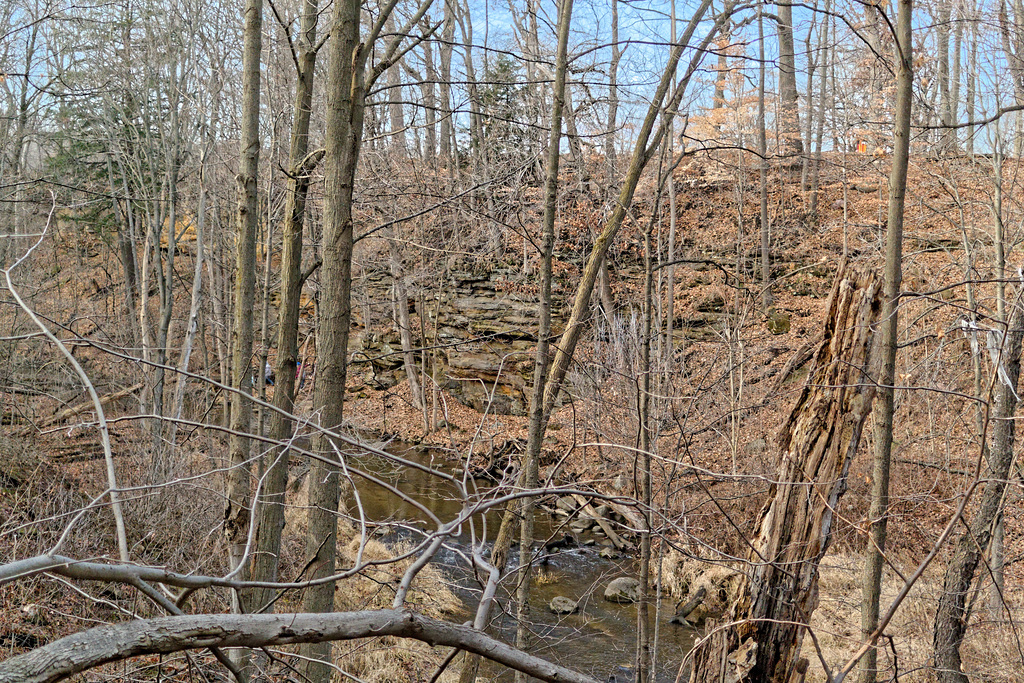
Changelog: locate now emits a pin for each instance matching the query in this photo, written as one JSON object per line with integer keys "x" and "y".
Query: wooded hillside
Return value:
{"x": 580, "y": 341}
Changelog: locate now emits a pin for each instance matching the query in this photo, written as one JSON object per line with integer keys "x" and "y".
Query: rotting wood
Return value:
{"x": 586, "y": 507}
{"x": 760, "y": 639}
{"x": 795, "y": 362}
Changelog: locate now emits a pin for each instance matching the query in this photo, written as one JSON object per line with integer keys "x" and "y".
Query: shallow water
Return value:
{"x": 599, "y": 640}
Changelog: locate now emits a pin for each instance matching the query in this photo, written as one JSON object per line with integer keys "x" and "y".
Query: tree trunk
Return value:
{"x": 760, "y": 639}
{"x": 538, "y": 417}
{"x": 668, "y": 348}
{"x": 80, "y": 652}
{"x": 947, "y": 137}
{"x": 300, "y": 166}
{"x": 790, "y": 124}
{"x": 445, "y": 97}
{"x": 396, "y": 115}
{"x": 237, "y": 506}
{"x": 404, "y": 325}
{"x": 953, "y": 609}
{"x": 613, "y": 96}
{"x": 192, "y": 325}
{"x": 822, "y": 91}
{"x": 644, "y": 636}
{"x": 429, "y": 100}
{"x": 762, "y": 170}
{"x": 972, "y": 65}
{"x": 345, "y": 109}
{"x": 889, "y": 340}
{"x": 721, "y": 71}
{"x": 647, "y": 143}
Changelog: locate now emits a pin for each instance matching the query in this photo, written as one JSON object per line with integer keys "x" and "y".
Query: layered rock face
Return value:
{"x": 485, "y": 337}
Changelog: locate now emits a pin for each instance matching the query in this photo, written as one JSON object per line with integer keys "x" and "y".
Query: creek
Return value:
{"x": 600, "y": 639}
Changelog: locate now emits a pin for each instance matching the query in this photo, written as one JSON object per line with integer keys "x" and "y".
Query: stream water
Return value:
{"x": 600, "y": 639}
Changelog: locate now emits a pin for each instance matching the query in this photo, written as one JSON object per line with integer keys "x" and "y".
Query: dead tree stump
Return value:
{"x": 760, "y": 640}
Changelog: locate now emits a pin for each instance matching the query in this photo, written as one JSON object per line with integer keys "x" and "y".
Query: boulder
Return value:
{"x": 623, "y": 590}
{"x": 566, "y": 504}
{"x": 562, "y": 605}
{"x": 581, "y": 525}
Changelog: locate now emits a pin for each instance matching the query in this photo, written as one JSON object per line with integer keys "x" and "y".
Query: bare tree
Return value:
{"x": 301, "y": 164}
{"x": 889, "y": 340}
{"x": 238, "y": 512}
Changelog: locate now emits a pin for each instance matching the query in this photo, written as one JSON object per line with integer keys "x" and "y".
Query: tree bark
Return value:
{"x": 446, "y": 48}
{"x": 762, "y": 170}
{"x": 761, "y": 637}
{"x": 644, "y": 635}
{"x": 947, "y": 139}
{"x": 791, "y": 140}
{"x": 396, "y": 114}
{"x": 403, "y": 322}
{"x": 538, "y": 417}
{"x": 613, "y": 96}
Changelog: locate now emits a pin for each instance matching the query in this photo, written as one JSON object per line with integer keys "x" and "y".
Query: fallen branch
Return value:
{"x": 88, "y": 649}
{"x": 88, "y": 405}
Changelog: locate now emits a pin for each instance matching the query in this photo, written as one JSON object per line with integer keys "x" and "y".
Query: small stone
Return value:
{"x": 562, "y": 605}
{"x": 608, "y": 554}
{"x": 624, "y": 589}
{"x": 581, "y": 525}
{"x": 756, "y": 446}
{"x": 778, "y": 321}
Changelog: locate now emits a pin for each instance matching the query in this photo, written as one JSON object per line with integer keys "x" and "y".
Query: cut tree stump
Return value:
{"x": 760, "y": 639}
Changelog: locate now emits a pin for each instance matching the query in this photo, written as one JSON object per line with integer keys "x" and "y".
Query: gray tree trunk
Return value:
{"x": 74, "y": 654}
{"x": 889, "y": 340}
{"x": 790, "y": 124}
{"x": 538, "y": 417}
{"x": 345, "y": 109}
{"x": 762, "y": 170}
{"x": 238, "y": 504}
{"x": 300, "y": 166}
